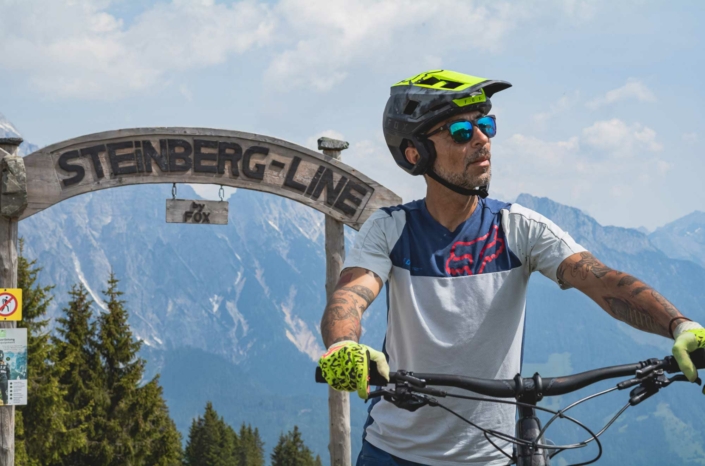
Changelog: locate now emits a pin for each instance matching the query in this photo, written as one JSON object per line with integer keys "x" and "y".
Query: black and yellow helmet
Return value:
{"x": 418, "y": 103}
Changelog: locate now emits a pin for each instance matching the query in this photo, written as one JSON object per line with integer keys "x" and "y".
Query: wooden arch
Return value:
{"x": 201, "y": 155}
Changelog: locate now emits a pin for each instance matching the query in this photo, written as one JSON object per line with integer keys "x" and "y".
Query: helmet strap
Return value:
{"x": 481, "y": 191}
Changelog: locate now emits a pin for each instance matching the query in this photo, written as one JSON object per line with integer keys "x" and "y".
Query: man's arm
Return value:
{"x": 623, "y": 296}
{"x": 356, "y": 289}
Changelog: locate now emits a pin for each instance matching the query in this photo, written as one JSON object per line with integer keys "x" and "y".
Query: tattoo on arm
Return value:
{"x": 631, "y": 314}
{"x": 622, "y": 295}
{"x": 587, "y": 264}
{"x": 361, "y": 291}
{"x": 627, "y": 280}
{"x": 341, "y": 319}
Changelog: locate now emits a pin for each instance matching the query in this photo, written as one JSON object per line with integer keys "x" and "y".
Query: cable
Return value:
{"x": 526, "y": 443}
{"x": 560, "y": 412}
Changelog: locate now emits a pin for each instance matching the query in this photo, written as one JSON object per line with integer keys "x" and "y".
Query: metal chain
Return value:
{"x": 221, "y": 193}
{"x": 173, "y": 191}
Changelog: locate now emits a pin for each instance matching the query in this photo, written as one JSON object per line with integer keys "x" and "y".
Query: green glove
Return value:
{"x": 689, "y": 337}
{"x": 346, "y": 365}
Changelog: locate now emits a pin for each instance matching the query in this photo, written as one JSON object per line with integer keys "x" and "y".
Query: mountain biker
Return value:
{"x": 457, "y": 265}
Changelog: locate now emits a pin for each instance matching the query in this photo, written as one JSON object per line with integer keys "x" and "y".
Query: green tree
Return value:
{"x": 211, "y": 442}
{"x": 291, "y": 451}
{"x": 47, "y": 429}
{"x": 251, "y": 451}
{"x": 133, "y": 425}
{"x": 75, "y": 346}
{"x": 125, "y": 424}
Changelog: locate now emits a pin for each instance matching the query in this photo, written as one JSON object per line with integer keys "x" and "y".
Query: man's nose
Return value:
{"x": 479, "y": 139}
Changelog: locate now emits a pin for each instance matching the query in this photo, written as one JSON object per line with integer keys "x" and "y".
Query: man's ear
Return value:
{"x": 412, "y": 155}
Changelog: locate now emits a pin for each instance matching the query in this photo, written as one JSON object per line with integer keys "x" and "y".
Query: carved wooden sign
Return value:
{"x": 197, "y": 212}
{"x": 200, "y": 155}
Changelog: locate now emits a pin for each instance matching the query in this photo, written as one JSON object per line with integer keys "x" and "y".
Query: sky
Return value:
{"x": 605, "y": 112}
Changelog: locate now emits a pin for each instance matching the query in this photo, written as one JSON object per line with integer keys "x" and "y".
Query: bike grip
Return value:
{"x": 376, "y": 378}
{"x": 698, "y": 358}
{"x": 319, "y": 376}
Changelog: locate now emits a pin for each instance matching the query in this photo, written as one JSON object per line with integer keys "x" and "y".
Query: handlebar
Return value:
{"x": 549, "y": 386}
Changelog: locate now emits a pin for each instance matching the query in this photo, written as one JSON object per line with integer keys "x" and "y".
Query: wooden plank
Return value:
{"x": 197, "y": 212}
{"x": 338, "y": 402}
{"x": 8, "y": 279}
{"x": 201, "y": 155}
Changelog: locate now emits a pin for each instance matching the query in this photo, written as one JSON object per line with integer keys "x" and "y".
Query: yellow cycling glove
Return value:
{"x": 689, "y": 337}
{"x": 346, "y": 366}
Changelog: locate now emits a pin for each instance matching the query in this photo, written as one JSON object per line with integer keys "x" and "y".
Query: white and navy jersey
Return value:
{"x": 456, "y": 306}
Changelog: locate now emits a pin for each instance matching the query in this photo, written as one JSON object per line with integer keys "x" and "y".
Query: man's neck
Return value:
{"x": 448, "y": 208}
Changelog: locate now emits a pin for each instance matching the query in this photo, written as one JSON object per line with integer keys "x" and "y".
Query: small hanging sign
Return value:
{"x": 197, "y": 212}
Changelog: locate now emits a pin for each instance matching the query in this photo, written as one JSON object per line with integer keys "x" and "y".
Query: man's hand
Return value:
{"x": 689, "y": 337}
{"x": 346, "y": 367}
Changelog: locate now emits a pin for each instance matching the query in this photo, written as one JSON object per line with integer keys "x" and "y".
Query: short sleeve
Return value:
{"x": 542, "y": 243}
{"x": 373, "y": 244}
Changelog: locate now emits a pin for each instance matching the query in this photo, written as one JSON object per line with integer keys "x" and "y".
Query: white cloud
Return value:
{"x": 690, "y": 138}
{"x": 563, "y": 104}
{"x": 597, "y": 166}
{"x": 633, "y": 89}
{"x": 619, "y": 139}
{"x": 330, "y": 36}
{"x": 77, "y": 49}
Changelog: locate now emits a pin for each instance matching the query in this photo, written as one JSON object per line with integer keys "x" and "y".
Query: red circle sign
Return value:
{"x": 8, "y": 304}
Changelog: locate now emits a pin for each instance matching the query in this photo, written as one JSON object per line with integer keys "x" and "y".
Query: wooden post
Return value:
{"x": 8, "y": 279}
{"x": 338, "y": 402}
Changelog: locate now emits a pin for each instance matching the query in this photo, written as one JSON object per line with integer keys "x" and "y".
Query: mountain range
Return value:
{"x": 230, "y": 313}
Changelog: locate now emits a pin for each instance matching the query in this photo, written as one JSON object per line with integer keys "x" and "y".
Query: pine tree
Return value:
{"x": 251, "y": 451}
{"x": 133, "y": 423}
{"x": 47, "y": 429}
{"x": 160, "y": 441}
{"x": 76, "y": 352}
{"x": 211, "y": 441}
{"x": 291, "y": 451}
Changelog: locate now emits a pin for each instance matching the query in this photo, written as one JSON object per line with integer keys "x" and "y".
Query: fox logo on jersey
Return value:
{"x": 463, "y": 262}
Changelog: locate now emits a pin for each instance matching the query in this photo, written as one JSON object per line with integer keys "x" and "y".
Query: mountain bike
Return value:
{"x": 412, "y": 391}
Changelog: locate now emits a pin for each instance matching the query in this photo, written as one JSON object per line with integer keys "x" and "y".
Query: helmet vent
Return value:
{"x": 410, "y": 107}
{"x": 429, "y": 81}
{"x": 451, "y": 85}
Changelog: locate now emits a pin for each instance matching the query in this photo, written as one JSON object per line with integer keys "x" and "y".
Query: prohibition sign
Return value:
{"x": 11, "y": 304}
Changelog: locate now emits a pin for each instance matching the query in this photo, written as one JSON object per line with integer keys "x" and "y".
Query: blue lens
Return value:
{"x": 461, "y": 131}
{"x": 488, "y": 126}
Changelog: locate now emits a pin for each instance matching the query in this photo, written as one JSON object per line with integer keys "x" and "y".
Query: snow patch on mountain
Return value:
{"x": 7, "y": 129}
{"x": 82, "y": 278}
{"x": 298, "y": 332}
{"x": 215, "y": 303}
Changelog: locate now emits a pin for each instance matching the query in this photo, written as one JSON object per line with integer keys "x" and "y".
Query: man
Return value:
{"x": 4, "y": 377}
{"x": 457, "y": 266}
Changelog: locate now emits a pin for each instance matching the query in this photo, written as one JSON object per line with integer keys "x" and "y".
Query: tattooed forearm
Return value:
{"x": 627, "y": 280}
{"x": 341, "y": 319}
{"x": 362, "y": 291}
{"x": 623, "y": 296}
{"x": 638, "y": 290}
{"x": 569, "y": 272}
{"x": 631, "y": 314}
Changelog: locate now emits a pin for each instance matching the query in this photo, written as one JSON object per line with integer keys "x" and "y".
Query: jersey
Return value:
{"x": 456, "y": 302}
